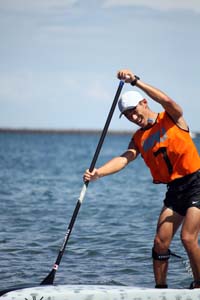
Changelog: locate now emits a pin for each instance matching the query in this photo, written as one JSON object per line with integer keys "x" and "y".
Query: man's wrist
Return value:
{"x": 133, "y": 83}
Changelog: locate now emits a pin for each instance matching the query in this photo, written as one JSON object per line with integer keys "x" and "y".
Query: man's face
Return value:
{"x": 138, "y": 114}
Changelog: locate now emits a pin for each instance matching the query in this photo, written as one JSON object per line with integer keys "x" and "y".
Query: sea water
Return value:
{"x": 111, "y": 242}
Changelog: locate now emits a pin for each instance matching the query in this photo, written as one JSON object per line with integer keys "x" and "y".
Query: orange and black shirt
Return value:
{"x": 167, "y": 150}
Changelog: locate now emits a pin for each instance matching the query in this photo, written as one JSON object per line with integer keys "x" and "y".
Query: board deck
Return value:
{"x": 99, "y": 292}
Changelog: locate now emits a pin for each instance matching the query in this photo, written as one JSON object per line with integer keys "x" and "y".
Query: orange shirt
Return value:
{"x": 167, "y": 150}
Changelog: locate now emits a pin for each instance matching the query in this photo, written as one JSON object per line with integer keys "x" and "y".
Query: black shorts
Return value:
{"x": 183, "y": 193}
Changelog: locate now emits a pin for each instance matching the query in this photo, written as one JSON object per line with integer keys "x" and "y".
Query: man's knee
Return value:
{"x": 160, "y": 245}
{"x": 188, "y": 240}
{"x": 160, "y": 250}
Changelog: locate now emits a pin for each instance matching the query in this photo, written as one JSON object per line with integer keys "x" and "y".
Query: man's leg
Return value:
{"x": 168, "y": 223}
{"x": 189, "y": 237}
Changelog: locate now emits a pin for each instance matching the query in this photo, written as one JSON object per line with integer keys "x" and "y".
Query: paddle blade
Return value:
{"x": 49, "y": 279}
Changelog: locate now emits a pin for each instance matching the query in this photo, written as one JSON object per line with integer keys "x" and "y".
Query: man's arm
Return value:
{"x": 113, "y": 166}
{"x": 173, "y": 109}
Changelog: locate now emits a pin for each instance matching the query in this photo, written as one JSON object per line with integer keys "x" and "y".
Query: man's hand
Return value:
{"x": 126, "y": 75}
{"x": 90, "y": 176}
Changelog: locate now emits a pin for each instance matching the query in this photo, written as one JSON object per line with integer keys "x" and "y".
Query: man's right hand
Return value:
{"x": 90, "y": 176}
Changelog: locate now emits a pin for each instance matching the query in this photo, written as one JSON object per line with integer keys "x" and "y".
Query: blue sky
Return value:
{"x": 59, "y": 58}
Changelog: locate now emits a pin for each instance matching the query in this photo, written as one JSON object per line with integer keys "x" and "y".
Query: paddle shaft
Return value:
{"x": 50, "y": 278}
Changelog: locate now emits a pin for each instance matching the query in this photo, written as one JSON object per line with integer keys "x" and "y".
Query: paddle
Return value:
{"x": 50, "y": 277}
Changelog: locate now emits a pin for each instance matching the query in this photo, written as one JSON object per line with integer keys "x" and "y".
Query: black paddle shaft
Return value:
{"x": 104, "y": 132}
{"x": 50, "y": 277}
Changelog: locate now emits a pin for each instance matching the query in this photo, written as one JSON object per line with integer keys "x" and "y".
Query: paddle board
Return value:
{"x": 99, "y": 292}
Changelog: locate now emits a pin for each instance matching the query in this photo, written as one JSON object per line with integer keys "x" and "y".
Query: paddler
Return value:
{"x": 164, "y": 142}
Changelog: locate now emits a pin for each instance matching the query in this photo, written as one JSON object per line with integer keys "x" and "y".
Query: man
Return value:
{"x": 164, "y": 143}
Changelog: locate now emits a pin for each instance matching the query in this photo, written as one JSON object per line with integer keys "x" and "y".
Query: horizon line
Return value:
{"x": 62, "y": 131}
{"x": 71, "y": 131}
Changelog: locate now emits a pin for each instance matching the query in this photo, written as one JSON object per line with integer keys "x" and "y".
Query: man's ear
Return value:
{"x": 144, "y": 102}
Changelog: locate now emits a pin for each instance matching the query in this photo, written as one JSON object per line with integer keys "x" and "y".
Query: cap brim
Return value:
{"x": 130, "y": 107}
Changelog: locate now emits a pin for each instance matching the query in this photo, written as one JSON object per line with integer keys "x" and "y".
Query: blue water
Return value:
{"x": 40, "y": 181}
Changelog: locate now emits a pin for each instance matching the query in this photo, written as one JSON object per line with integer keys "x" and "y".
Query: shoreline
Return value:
{"x": 73, "y": 131}
{"x": 62, "y": 131}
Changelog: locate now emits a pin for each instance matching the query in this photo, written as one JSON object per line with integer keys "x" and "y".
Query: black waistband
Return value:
{"x": 184, "y": 180}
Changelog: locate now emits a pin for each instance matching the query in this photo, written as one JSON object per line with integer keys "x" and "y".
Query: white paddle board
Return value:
{"x": 99, "y": 292}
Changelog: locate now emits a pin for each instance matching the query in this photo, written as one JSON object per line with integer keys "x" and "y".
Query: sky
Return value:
{"x": 59, "y": 59}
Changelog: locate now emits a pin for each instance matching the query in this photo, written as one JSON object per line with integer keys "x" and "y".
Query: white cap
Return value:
{"x": 129, "y": 100}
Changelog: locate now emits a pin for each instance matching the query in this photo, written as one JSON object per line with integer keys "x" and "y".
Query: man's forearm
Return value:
{"x": 153, "y": 92}
{"x": 113, "y": 166}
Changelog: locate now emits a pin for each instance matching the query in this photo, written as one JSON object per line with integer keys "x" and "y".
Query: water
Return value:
{"x": 40, "y": 181}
